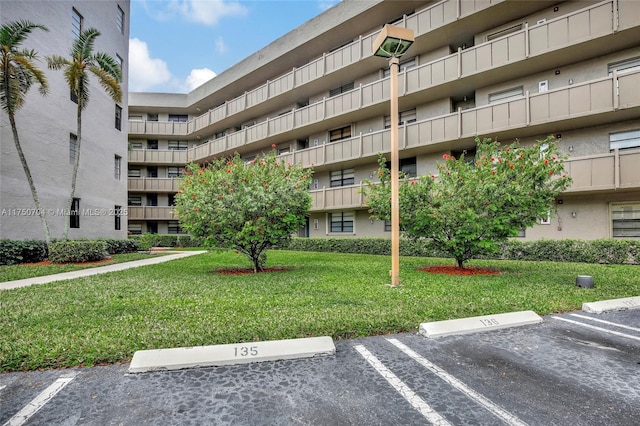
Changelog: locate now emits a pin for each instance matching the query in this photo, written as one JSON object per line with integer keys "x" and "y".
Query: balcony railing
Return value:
{"x": 158, "y": 156}
{"x": 153, "y": 184}
{"x": 582, "y": 25}
{"x": 150, "y": 213}
{"x": 337, "y": 198}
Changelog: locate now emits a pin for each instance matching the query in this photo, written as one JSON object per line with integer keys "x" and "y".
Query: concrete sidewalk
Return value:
{"x": 8, "y": 285}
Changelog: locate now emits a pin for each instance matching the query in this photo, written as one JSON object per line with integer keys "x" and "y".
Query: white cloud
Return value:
{"x": 145, "y": 71}
{"x": 198, "y": 77}
{"x": 207, "y": 12}
{"x": 220, "y": 45}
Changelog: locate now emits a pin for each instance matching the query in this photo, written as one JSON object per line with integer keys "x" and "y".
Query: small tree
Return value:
{"x": 18, "y": 72}
{"x": 246, "y": 207}
{"x": 473, "y": 205}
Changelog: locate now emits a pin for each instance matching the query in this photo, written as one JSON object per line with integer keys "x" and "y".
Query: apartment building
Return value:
{"x": 503, "y": 69}
{"x": 48, "y": 129}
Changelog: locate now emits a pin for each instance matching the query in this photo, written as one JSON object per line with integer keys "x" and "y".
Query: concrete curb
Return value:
{"x": 478, "y": 324}
{"x": 8, "y": 285}
{"x": 230, "y": 354}
{"x": 612, "y": 305}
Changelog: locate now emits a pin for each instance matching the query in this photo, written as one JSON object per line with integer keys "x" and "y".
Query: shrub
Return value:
{"x": 569, "y": 250}
{"x": 77, "y": 251}
{"x": 115, "y": 246}
{"x": 12, "y": 252}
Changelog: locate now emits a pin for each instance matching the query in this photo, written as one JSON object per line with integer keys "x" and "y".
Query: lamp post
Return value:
{"x": 392, "y": 43}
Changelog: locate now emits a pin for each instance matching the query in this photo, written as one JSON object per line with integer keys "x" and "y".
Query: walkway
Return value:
{"x": 8, "y": 285}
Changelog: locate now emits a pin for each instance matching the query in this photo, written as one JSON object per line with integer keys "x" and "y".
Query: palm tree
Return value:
{"x": 76, "y": 72}
{"x": 17, "y": 74}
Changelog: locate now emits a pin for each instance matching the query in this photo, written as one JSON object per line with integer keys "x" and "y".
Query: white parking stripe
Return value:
{"x": 615, "y": 324}
{"x": 593, "y": 327}
{"x": 499, "y": 412}
{"x": 414, "y": 399}
{"x": 38, "y": 402}
{"x": 2, "y": 387}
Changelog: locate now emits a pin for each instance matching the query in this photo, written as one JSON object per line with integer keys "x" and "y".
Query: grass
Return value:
{"x": 106, "y": 318}
{"x": 18, "y": 272}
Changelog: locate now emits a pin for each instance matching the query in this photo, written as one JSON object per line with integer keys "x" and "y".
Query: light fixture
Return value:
{"x": 391, "y": 43}
{"x": 574, "y": 214}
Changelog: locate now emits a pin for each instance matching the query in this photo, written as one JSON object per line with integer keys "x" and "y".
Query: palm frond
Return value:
{"x": 14, "y": 33}
{"x": 108, "y": 82}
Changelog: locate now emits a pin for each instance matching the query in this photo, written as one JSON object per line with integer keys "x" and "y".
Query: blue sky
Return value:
{"x": 176, "y": 45}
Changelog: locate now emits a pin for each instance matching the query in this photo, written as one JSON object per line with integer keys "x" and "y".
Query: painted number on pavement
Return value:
{"x": 489, "y": 322}
{"x": 244, "y": 351}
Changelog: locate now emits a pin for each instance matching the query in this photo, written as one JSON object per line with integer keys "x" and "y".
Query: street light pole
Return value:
{"x": 391, "y": 43}
{"x": 394, "y": 64}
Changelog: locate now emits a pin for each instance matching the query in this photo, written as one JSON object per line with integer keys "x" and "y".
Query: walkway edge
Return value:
{"x": 8, "y": 285}
{"x": 229, "y": 354}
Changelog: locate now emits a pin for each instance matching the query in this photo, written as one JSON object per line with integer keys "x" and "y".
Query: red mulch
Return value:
{"x": 245, "y": 271}
{"x": 455, "y": 270}
{"x": 46, "y": 262}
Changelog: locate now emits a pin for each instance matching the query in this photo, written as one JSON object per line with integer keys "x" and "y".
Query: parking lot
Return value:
{"x": 572, "y": 369}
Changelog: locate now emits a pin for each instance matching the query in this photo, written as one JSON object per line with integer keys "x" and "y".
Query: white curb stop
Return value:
{"x": 478, "y": 324}
{"x": 229, "y": 354}
{"x": 612, "y": 305}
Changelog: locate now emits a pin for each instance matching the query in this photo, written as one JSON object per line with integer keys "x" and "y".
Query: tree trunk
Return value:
{"x": 460, "y": 262}
{"x": 76, "y": 165}
{"x": 27, "y": 171}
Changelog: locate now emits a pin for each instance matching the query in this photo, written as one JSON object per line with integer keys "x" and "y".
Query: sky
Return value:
{"x": 177, "y": 45}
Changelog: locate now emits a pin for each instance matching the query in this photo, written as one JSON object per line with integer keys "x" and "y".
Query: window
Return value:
{"x": 134, "y": 200}
{"x": 135, "y": 145}
{"x": 134, "y": 172}
{"x": 628, "y": 65}
{"x": 625, "y": 220}
{"x": 342, "y": 178}
{"x": 118, "y": 117}
{"x": 117, "y": 167}
{"x": 73, "y": 96}
{"x": 120, "y": 61}
{"x": 504, "y": 32}
{"x": 174, "y": 227}
{"x": 152, "y": 117}
{"x": 405, "y": 117}
{"x": 120, "y": 20}
{"x": 152, "y": 227}
{"x": 338, "y": 90}
{"x": 174, "y": 172}
{"x": 135, "y": 117}
{"x": 403, "y": 66}
{"x": 624, "y": 140}
{"x": 117, "y": 210}
{"x": 76, "y": 24}
{"x": 73, "y": 148}
{"x": 152, "y": 144}
{"x": 152, "y": 200}
{"x": 74, "y": 214}
{"x": 341, "y": 221}
{"x": 504, "y": 95}
{"x": 407, "y": 166}
{"x": 339, "y": 134}
{"x": 178, "y": 145}
{"x": 135, "y": 228}
{"x": 219, "y": 135}
{"x": 172, "y": 200}
{"x": 152, "y": 171}
{"x": 387, "y": 225}
{"x": 180, "y": 118}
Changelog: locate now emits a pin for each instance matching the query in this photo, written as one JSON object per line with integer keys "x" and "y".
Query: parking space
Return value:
{"x": 574, "y": 368}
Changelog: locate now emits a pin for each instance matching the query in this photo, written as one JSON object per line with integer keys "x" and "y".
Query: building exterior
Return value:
{"x": 47, "y": 128}
{"x": 503, "y": 69}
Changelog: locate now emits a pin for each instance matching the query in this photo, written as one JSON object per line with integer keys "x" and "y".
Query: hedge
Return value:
{"x": 606, "y": 251}
{"x": 77, "y": 251}
{"x": 31, "y": 251}
{"x": 146, "y": 241}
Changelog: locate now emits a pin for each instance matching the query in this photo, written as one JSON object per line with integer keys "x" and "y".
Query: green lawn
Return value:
{"x": 106, "y": 318}
{"x": 18, "y": 272}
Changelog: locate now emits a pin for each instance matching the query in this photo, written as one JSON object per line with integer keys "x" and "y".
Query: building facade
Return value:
{"x": 48, "y": 129}
{"x": 504, "y": 69}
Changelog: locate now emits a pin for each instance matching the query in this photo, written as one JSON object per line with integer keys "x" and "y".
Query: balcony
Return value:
{"x": 153, "y": 184}
{"x": 551, "y": 37}
{"x": 344, "y": 197}
{"x": 150, "y": 213}
{"x": 157, "y": 156}
{"x": 606, "y": 172}
{"x": 158, "y": 128}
